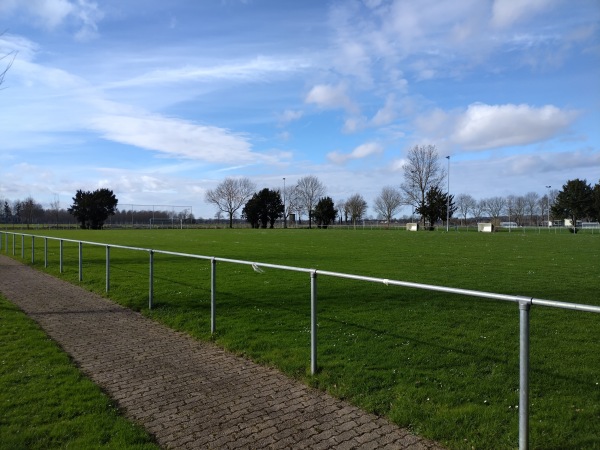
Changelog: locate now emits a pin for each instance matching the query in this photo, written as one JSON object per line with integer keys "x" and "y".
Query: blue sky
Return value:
{"x": 161, "y": 100}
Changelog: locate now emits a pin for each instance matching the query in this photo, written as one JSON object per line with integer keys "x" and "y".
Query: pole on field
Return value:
{"x": 60, "y": 251}
{"x": 151, "y": 280}
{"x": 32, "y": 249}
{"x": 448, "y": 198}
{"x": 45, "y": 252}
{"x": 313, "y": 322}
{"x": 80, "y": 261}
{"x": 524, "y": 307}
{"x": 213, "y": 296}
{"x": 107, "y": 268}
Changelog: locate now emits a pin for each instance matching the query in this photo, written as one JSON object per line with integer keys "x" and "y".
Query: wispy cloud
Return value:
{"x": 82, "y": 15}
{"x": 175, "y": 137}
{"x": 360, "y": 152}
{"x": 259, "y": 68}
{"x": 508, "y": 12}
{"x": 290, "y": 115}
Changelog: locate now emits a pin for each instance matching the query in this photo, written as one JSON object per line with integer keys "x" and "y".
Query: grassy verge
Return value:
{"x": 46, "y": 403}
{"x": 446, "y": 366}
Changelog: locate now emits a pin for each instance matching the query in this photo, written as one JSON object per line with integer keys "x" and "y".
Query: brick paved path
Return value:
{"x": 187, "y": 393}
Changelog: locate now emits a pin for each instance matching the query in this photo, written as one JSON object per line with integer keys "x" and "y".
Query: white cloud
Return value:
{"x": 387, "y": 114}
{"x": 355, "y": 124}
{"x": 482, "y": 127}
{"x": 489, "y": 126}
{"x": 508, "y": 12}
{"x": 518, "y": 174}
{"x": 175, "y": 137}
{"x": 433, "y": 39}
{"x": 290, "y": 115}
{"x": 553, "y": 162}
{"x": 24, "y": 47}
{"x": 51, "y": 14}
{"x": 89, "y": 15}
{"x": 362, "y": 151}
{"x": 330, "y": 97}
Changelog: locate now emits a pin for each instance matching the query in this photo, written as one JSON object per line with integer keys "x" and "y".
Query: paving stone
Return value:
{"x": 188, "y": 393}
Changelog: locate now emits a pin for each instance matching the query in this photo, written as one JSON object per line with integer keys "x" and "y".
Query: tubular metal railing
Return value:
{"x": 524, "y": 303}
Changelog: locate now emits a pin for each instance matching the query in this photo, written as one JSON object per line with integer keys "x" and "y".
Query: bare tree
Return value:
{"x": 388, "y": 203}
{"x": 340, "y": 206}
{"x": 309, "y": 190}
{"x": 494, "y": 206}
{"x": 531, "y": 205}
{"x": 10, "y": 58}
{"x": 422, "y": 172}
{"x": 519, "y": 209}
{"x": 465, "y": 204}
{"x": 357, "y": 206}
{"x": 230, "y": 195}
{"x": 55, "y": 208}
{"x": 185, "y": 216}
{"x": 515, "y": 208}
{"x": 291, "y": 201}
{"x": 478, "y": 209}
{"x": 30, "y": 210}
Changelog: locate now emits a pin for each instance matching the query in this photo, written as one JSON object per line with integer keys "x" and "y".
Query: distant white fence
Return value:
{"x": 524, "y": 303}
{"x": 593, "y": 225}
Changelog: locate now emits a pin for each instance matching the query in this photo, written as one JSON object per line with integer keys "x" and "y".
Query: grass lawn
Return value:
{"x": 443, "y": 365}
{"x": 46, "y": 403}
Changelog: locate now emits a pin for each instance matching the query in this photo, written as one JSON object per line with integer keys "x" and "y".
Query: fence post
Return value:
{"x": 151, "y": 280}
{"x": 22, "y": 246}
{"x": 60, "y": 260}
{"x": 107, "y": 268}
{"x": 524, "y": 307}
{"x": 80, "y": 261}
{"x": 213, "y": 296}
{"x": 14, "y": 239}
{"x": 32, "y": 249}
{"x": 313, "y": 322}
{"x": 46, "y": 252}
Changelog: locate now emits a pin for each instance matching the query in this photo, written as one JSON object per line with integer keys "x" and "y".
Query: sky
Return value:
{"x": 162, "y": 100}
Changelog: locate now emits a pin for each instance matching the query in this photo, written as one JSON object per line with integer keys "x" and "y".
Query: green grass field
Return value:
{"x": 46, "y": 403}
{"x": 443, "y": 365}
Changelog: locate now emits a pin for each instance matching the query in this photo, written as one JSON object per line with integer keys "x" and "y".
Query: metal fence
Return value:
{"x": 524, "y": 303}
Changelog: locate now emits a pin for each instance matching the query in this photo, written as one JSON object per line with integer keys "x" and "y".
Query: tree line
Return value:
{"x": 262, "y": 208}
{"x": 89, "y": 209}
{"x": 422, "y": 190}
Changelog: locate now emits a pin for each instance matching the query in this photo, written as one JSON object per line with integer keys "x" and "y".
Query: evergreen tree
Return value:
{"x": 265, "y": 207}
{"x": 435, "y": 205}
{"x": 324, "y": 212}
{"x": 91, "y": 209}
{"x": 574, "y": 202}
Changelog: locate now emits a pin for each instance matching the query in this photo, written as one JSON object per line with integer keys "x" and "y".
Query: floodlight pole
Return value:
{"x": 284, "y": 214}
{"x": 448, "y": 198}
{"x": 548, "y": 187}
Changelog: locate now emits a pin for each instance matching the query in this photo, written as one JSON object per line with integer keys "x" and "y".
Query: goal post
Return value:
{"x": 166, "y": 223}
{"x": 485, "y": 227}
{"x": 155, "y": 216}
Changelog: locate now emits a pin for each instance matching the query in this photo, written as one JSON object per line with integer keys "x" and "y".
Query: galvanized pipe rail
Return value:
{"x": 524, "y": 303}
